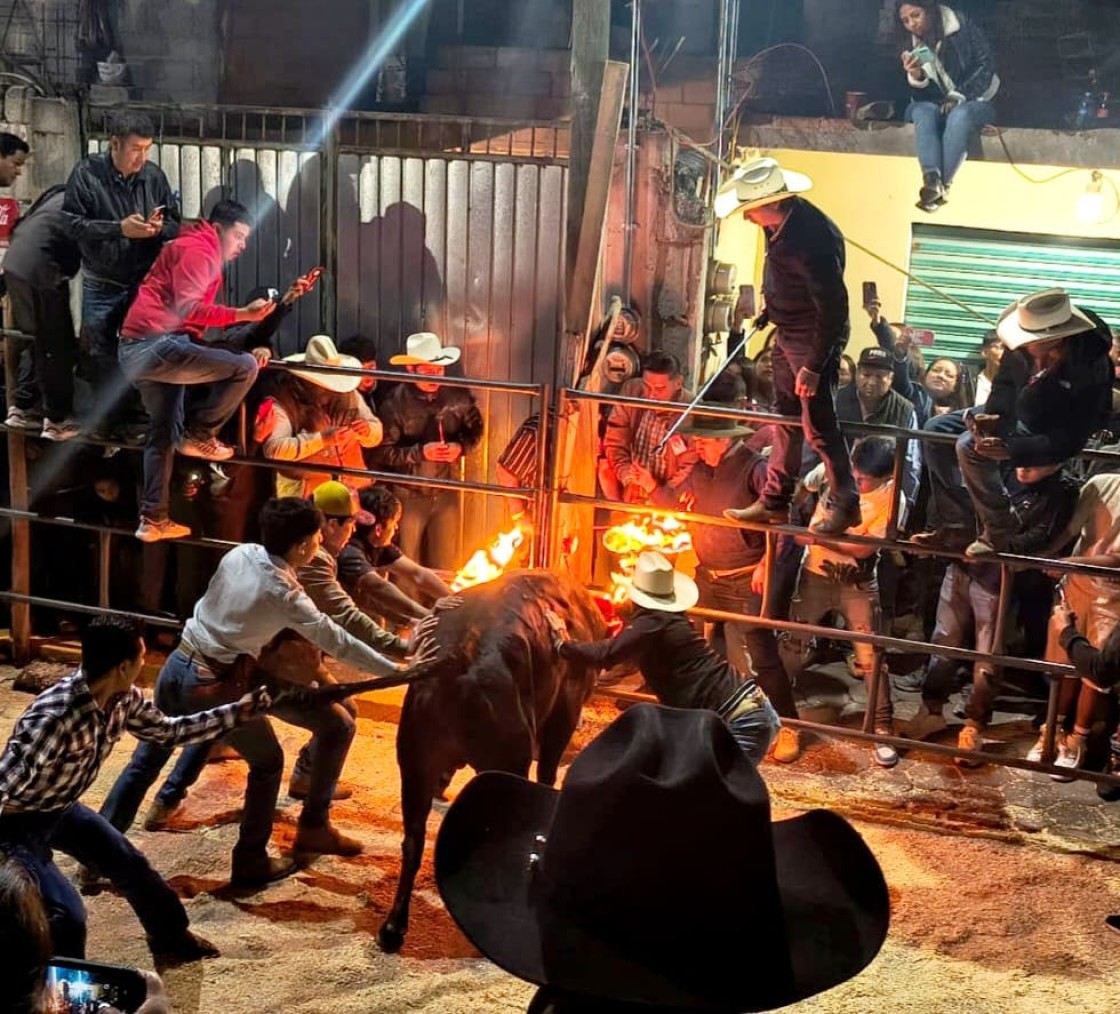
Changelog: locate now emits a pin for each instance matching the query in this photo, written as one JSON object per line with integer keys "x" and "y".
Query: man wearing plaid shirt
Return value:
{"x": 56, "y": 752}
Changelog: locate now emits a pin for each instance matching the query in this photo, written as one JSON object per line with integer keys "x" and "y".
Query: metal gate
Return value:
{"x": 441, "y": 224}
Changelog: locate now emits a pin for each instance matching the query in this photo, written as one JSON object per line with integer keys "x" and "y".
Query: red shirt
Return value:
{"x": 177, "y": 294}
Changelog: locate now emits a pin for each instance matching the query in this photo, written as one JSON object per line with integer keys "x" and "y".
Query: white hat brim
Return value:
{"x": 727, "y": 201}
{"x": 448, "y": 355}
{"x": 1015, "y": 337}
{"x": 330, "y": 381}
{"x": 685, "y": 595}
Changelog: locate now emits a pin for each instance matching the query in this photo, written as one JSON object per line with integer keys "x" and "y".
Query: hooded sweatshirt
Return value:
{"x": 177, "y": 294}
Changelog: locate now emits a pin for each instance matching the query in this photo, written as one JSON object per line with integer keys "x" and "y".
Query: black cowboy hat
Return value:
{"x": 656, "y": 875}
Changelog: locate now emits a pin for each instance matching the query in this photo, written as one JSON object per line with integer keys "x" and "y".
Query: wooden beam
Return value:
{"x": 19, "y": 492}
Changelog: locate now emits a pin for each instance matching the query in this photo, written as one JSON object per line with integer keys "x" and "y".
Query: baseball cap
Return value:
{"x": 337, "y": 501}
{"x": 876, "y": 358}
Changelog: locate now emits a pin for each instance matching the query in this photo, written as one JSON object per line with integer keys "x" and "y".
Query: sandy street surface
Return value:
{"x": 978, "y": 926}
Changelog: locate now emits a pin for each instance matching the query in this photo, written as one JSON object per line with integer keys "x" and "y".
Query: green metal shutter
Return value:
{"x": 988, "y": 270}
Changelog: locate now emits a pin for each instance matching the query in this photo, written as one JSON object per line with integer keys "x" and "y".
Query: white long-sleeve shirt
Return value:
{"x": 252, "y": 597}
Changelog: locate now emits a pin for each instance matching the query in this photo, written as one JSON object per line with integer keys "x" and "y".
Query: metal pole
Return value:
{"x": 328, "y": 230}
{"x": 632, "y": 151}
{"x": 902, "y": 445}
{"x": 543, "y": 521}
{"x": 20, "y": 500}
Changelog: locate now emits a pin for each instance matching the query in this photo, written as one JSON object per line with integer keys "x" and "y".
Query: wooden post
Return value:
{"x": 589, "y": 183}
{"x": 21, "y": 530}
{"x": 591, "y": 30}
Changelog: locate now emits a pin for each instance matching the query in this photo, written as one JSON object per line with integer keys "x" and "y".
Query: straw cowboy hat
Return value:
{"x": 656, "y": 876}
{"x": 758, "y": 182}
{"x": 425, "y": 347}
{"x": 1041, "y": 316}
{"x": 713, "y": 426}
{"x": 656, "y": 585}
{"x": 321, "y": 352}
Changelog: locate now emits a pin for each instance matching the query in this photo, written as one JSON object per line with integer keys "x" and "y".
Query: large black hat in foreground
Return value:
{"x": 656, "y": 876}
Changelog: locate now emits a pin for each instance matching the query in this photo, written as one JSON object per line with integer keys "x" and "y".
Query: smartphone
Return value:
{"x": 86, "y": 985}
{"x": 922, "y": 336}
{"x": 159, "y": 209}
{"x": 1113, "y": 923}
{"x": 870, "y": 294}
{"x": 923, "y": 54}
{"x": 314, "y": 275}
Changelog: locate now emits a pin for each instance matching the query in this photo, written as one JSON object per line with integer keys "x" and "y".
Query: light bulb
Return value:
{"x": 1090, "y": 205}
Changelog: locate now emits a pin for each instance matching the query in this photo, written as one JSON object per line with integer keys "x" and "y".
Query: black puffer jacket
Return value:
{"x": 967, "y": 57}
{"x": 1046, "y": 418}
{"x": 412, "y": 419}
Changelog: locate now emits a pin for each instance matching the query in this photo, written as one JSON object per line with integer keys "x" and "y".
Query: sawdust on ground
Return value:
{"x": 978, "y": 926}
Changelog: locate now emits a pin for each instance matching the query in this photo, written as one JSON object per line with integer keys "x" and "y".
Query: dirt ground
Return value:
{"x": 977, "y": 926}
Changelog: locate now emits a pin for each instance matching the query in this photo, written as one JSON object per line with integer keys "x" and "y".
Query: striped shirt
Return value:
{"x": 59, "y": 744}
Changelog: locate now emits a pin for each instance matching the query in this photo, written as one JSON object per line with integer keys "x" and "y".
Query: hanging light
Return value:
{"x": 1090, "y": 205}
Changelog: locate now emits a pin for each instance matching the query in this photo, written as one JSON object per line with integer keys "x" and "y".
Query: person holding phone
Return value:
{"x": 951, "y": 72}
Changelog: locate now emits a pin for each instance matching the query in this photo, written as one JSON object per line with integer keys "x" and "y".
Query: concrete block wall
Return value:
{"x": 499, "y": 82}
{"x": 174, "y": 50}
{"x": 50, "y": 126}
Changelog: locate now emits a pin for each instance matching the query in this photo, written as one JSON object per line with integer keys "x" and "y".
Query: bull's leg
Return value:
{"x": 556, "y": 732}
{"x": 421, "y": 769}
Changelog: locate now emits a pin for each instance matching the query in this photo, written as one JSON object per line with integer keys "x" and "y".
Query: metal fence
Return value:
{"x": 445, "y": 224}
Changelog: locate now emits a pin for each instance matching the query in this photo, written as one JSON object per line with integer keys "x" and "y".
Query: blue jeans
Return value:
{"x": 332, "y": 728}
{"x": 104, "y": 305}
{"x": 942, "y": 139}
{"x": 818, "y": 426}
{"x": 755, "y": 730}
{"x": 160, "y": 368}
{"x": 749, "y": 648}
{"x": 184, "y": 687}
{"x": 965, "y": 604}
{"x": 951, "y": 503}
{"x": 79, "y": 832}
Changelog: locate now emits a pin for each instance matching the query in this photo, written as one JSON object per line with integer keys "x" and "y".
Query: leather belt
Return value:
{"x": 192, "y": 653}
{"x": 733, "y": 572}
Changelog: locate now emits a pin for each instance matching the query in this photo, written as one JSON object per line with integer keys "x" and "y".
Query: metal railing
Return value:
{"x": 549, "y": 497}
{"x": 22, "y": 517}
{"x": 1008, "y": 563}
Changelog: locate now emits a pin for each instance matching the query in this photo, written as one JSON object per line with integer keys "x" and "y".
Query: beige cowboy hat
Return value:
{"x": 1041, "y": 316}
{"x": 758, "y": 182}
{"x": 656, "y": 585}
{"x": 714, "y": 426}
{"x": 321, "y": 352}
{"x": 425, "y": 347}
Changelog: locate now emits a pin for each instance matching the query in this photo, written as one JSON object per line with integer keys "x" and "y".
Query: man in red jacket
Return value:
{"x": 162, "y": 352}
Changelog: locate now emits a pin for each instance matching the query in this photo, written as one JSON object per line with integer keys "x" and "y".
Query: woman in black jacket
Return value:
{"x": 951, "y": 73}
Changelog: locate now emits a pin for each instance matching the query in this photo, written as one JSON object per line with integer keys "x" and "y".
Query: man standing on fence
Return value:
{"x": 162, "y": 354}
{"x": 803, "y": 284}
{"x": 122, "y": 210}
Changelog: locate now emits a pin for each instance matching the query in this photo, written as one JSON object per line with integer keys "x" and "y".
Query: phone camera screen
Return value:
{"x": 77, "y": 991}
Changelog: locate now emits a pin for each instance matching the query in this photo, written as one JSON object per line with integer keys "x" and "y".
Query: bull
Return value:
{"x": 500, "y": 699}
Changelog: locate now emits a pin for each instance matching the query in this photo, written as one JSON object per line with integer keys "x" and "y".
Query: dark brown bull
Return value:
{"x": 501, "y": 698}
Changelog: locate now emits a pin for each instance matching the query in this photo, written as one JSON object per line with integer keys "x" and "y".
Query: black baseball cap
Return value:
{"x": 876, "y": 358}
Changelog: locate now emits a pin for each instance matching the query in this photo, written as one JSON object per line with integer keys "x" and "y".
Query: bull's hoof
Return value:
{"x": 390, "y": 939}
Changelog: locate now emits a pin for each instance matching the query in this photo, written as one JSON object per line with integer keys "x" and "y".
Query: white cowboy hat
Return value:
{"x": 656, "y": 585}
{"x": 758, "y": 182}
{"x": 1041, "y": 316}
{"x": 426, "y": 347}
{"x": 321, "y": 352}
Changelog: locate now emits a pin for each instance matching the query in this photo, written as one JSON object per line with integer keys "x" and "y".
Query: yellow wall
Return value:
{"x": 872, "y": 200}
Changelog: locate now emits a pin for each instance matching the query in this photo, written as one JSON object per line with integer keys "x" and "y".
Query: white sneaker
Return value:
{"x": 60, "y": 431}
{"x": 883, "y": 754}
{"x": 210, "y": 448}
{"x": 158, "y": 531}
{"x": 1071, "y": 753}
{"x": 23, "y": 419}
{"x": 1035, "y": 752}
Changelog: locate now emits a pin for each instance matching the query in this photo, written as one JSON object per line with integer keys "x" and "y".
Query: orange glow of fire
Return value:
{"x": 661, "y": 532}
{"x": 489, "y": 563}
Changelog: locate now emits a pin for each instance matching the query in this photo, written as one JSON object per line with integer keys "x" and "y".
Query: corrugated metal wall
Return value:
{"x": 470, "y": 249}
{"x": 281, "y": 187}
